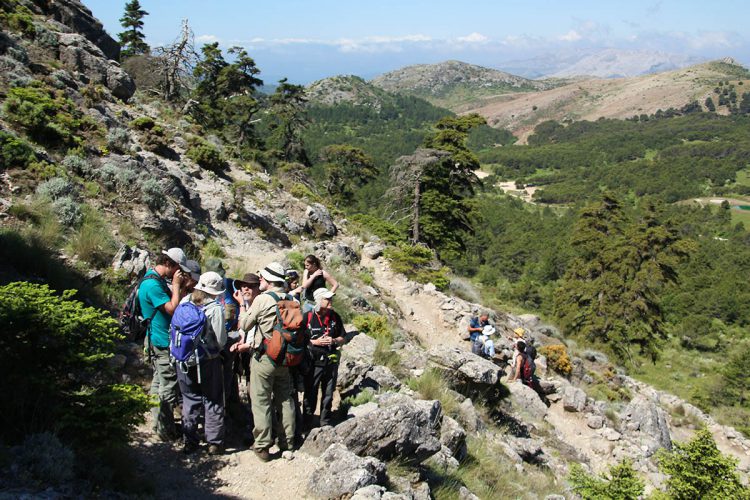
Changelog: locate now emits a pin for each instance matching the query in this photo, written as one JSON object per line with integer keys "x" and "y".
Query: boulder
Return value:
{"x": 650, "y": 421}
{"x": 453, "y": 437}
{"x": 345, "y": 253}
{"x": 373, "y": 250}
{"x": 319, "y": 221}
{"x": 595, "y": 421}
{"x": 399, "y": 428}
{"x": 465, "y": 493}
{"x": 468, "y": 416}
{"x": 341, "y": 472}
{"x": 133, "y": 260}
{"x": 375, "y": 492}
{"x": 530, "y": 450}
{"x": 356, "y": 375}
{"x": 360, "y": 346}
{"x": 470, "y": 374}
{"x": 77, "y": 17}
{"x": 526, "y": 402}
{"x": 574, "y": 399}
{"x": 79, "y": 55}
{"x": 443, "y": 461}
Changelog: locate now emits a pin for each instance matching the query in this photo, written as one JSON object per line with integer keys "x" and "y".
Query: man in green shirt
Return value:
{"x": 158, "y": 303}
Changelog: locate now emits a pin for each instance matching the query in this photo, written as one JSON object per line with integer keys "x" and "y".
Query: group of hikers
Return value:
{"x": 204, "y": 330}
{"x": 522, "y": 360}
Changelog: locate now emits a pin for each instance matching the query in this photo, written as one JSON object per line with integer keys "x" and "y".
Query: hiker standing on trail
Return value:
{"x": 477, "y": 324}
{"x": 313, "y": 278}
{"x": 158, "y": 303}
{"x": 201, "y": 380}
{"x": 326, "y": 331}
{"x": 269, "y": 384}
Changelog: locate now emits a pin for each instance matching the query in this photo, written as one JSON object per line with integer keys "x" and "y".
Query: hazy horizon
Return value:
{"x": 306, "y": 41}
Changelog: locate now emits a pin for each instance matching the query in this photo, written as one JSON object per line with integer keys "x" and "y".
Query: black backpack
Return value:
{"x": 134, "y": 326}
{"x": 530, "y": 351}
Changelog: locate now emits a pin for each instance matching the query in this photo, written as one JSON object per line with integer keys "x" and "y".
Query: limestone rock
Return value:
{"x": 133, "y": 260}
{"x": 400, "y": 430}
{"x": 79, "y": 55}
{"x": 465, "y": 494}
{"x": 341, "y": 472}
{"x": 595, "y": 421}
{"x": 443, "y": 460}
{"x": 319, "y": 221}
{"x": 470, "y": 374}
{"x": 574, "y": 399}
{"x": 77, "y": 17}
{"x": 526, "y": 402}
{"x": 468, "y": 416}
{"x": 650, "y": 421}
{"x": 345, "y": 253}
{"x": 453, "y": 437}
{"x": 373, "y": 250}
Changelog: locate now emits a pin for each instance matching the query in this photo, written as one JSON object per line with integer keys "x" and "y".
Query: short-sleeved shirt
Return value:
{"x": 154, "y": 294}
{"x": 476, "y": 323}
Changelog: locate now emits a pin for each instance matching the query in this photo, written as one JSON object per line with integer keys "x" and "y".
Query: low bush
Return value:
{"x": 143, "y": 123}
{"x": 92, "y": 241}
{"x": 418, "y": 263}
{"x": 118, "y": 140}
{"x": 622, "y": 483}
{"x": 557, "y": 358}
{"x": 56, "y": 187}
{"x": 151, "y": 193}
{"x": 206, "y": 155}
{"x": 53, "y": 351}
{"x": 212, "y": 249}
{"x": 377, "y": 327}
{"x": 42, "y": 460}
{"x": 78, "y": 165}
{"x": 432, "y": 385}
{"x": 381, "y": 228}
{"x": 14, "y": 152}
{"x": 68, "y": 211}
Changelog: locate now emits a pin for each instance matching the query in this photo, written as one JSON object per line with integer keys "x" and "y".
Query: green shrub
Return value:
{"x": 697, "y": 469}
{"x": 381, "y": 228}
{"x": 143, "y": 123}
{"x": 212, "y": 249}
{"x": 377, "y": 327}
{"x": 296, "y": 261}
{"x": 68, "y": 211}
{"x": 206, "y": 155}
{"x": 622, "y": 483}
{"x": 19, "y": 20}
{"x": 151, "y": 193}
{"x": 302, "y": 192}
{"x": 53, "y": 349}
{"x": 47, "y": 115}
{"x": 92, "y": 242}
{"x": 56, "y": 187}
{"x": 78, "y": 165}
{"x": 417, "y": 263}
{"x": 14, "y": 152}
{"x": 118, "y": 139}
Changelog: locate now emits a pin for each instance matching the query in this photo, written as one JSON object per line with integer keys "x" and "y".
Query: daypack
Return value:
{"x": 187, "y": 342}
{"x": 134, "y": 326}
{"x": 530, "y": 351}
{"x": 287, "y": 344}
{"x": 527, "y": 369}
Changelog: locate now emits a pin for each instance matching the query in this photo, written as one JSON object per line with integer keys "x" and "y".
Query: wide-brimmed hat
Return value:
{"x": 322, "y": 293}
{"x": 274, "y": 273}
{"x": 214, "y": 264}
{"x": 195, "y": 269}
{"x": 250, "y": 279}
{"x": 178, "y": 256}
{"x": 211, "y": 283}
{"x": 519, "y": 331}
{"x": 488, "y": 330}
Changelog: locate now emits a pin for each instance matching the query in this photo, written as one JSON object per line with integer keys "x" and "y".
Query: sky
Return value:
{"x": 305, "y": 40}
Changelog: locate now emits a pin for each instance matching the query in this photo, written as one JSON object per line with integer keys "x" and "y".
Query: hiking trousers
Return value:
{"x": 271, "y": 385}
{"x": 205, "y": 397}
{"x": 323, "y": 378}
{"x": 164, "y": 387}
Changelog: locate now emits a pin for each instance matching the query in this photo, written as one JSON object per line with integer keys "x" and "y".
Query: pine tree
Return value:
{"x": 132, "y": 40}
{"x": 347, "y": 168}
{"x": 288, "y": 119}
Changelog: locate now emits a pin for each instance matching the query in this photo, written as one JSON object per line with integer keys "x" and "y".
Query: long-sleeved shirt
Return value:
{"x": 262, "y": 313}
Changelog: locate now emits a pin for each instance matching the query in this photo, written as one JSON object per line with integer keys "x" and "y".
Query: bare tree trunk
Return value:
{"x": 415, "y": 232}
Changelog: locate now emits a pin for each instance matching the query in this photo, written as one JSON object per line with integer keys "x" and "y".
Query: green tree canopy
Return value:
{"x": 287, "y": 121}
{"x": 132, "y": 40}
{"x": 346, "y": 168}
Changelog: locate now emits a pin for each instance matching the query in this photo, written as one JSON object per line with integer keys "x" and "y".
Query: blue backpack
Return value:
{"x": 187, "y": 335}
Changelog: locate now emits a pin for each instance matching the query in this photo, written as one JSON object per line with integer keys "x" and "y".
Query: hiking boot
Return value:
{"x": 263, "y": 455}
{"x": 215, "y": 449}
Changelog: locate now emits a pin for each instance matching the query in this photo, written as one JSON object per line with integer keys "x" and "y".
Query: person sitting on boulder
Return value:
{"x": 523, "y": 370}
{"x": 477, "y": 324}
{"x": 484, "y": 345}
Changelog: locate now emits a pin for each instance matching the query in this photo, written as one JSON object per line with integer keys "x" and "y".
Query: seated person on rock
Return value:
{"x": 477, "y": 324}
{"x": 484, "y": 345}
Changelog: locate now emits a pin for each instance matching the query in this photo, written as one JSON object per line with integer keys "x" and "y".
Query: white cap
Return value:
{"x": 211, "y": 283}
{"x": 178, "y": 256}
{"x": 322, "y": 293}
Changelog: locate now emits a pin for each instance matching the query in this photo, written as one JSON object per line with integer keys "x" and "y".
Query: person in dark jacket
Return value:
{"x": 326, "y": 332}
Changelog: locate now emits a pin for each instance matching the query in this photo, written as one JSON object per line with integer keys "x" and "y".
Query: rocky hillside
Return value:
{"x": 347, "y": 89}
{"x": 616, "y": 63}
{"x": 590, "y": 99}
{"x": 453, "y": 83}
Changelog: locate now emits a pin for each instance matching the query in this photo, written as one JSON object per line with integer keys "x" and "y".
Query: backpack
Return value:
{"x": 187, "y": 335}
{"x": 527, "y": 369}
{"x": 287, "y": 344}
{"x": 132, "y": 323}
{"x": 531, "y": 351}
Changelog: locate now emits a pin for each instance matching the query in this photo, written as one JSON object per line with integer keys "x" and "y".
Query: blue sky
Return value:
{"x": 308, "y": 40}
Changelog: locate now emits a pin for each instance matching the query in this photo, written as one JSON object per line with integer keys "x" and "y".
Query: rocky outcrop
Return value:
{"x": 525, "y": 402}
{"x": 574, "y": 399}
{"x": 453, "y": 437}
{"x": 84, "y": 59}
{"x": 132, "y": 260}
{"x": 644, "y": 419}
{"x": 355, "y": 375}
{"x": 341, "y": 472}
{"x": 468, "y": 373}
{"x": 373, "y": 250}
{"x": 78, "y": 18}
{"x": 319, "y": 221}
{"x": 400, "y": 429}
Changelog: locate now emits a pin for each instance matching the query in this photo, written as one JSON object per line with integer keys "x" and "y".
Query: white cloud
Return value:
{"x": 207, "y": 38}
{"x": 570, "y": 36}
{"x": 473, "y": 38}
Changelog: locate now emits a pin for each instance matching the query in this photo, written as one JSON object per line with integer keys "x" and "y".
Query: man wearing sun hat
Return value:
{"x": 270, "y": 384}
{"x": 158, "y": 303}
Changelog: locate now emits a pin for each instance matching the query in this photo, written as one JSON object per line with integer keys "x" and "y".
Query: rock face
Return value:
{"x": 356, "y": 375}
{"x": 79, "y": 56}
{"x": 133, "y": 260}
{"x": 525, "y": 401}
{"x": 341, "y": 472}
{"x": 78, "y": 18}
{"x": 319, "y": 221}
{"x": 402, "y": 430}
{"x": 453, "y": 437}
{"x": 471, "y": 374}
{"x": 644, "y": 416}
{"x": 574, "y": 399}
{"x": 373, "y": 250}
